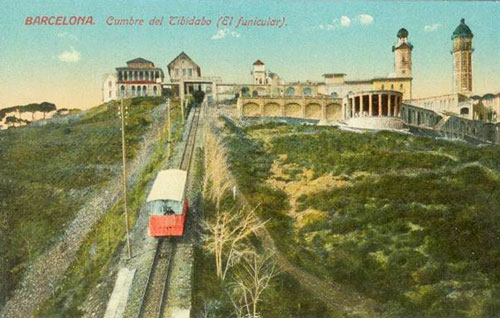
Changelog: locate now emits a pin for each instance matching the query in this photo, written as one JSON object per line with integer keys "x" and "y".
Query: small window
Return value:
{"x": 383, "y": 87}
{"x": 190, "y": 72}
{"x": 184, "y": 71}
{"x": 110, "y": 83}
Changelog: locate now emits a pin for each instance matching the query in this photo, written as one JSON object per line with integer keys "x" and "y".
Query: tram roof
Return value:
{"x": 168, "y": 185}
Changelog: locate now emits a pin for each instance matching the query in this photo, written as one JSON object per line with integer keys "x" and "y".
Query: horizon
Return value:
{"x": 66, "y": 65}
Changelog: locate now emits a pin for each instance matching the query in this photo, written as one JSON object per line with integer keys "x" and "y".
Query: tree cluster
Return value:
{"x": 44, "y": 107}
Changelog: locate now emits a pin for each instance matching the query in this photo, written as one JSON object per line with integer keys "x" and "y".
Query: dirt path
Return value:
{"x": 43, "y": 275}
{"x": 335, "y": 296}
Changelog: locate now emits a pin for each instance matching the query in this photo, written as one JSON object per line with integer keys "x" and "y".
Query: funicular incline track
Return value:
{"x": 155, "y": 295}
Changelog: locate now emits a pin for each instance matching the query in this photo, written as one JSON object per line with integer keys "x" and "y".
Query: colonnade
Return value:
{"x": 138, "y": 75}
{"x": 372, "y": 103}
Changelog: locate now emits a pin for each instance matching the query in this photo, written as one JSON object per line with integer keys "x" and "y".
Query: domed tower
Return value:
{"x": 462, "y": 59}
{"x": 402, "y": 54}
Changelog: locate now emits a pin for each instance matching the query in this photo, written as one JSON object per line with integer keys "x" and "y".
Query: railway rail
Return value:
{"x": 156, "y": 292}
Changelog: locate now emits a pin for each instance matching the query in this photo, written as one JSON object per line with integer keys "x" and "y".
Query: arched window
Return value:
{"x": 290, "y": 91}
{"x": 145, "y": 90}
{"x": 383, "y": 87}
{"x": 334, "y": 94}
{"x": 133, "y": 90}
{"x": 138, "y": 91}
{"x": 307, "y": 91}
{"x": 255, "y": 94}
{"x": 155, "y": 90}
{"x": 401, "y": 86}
{"x": 245, "y": 91}
{"x": 392, "y": 86}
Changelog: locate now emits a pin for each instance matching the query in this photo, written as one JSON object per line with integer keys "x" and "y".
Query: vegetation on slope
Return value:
{"x": 97, "y": 251}
{"x": 48, "y": 172}
{"x": 216, "y": 297}
{"x": 410, "y": 222}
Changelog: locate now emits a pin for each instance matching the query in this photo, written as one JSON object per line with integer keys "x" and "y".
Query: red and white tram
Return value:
{"x": 168, "y": 204}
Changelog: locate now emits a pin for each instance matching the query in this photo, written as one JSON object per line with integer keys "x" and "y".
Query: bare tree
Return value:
{"x": 225, "y": 234}
{"x": 217, "y": 180}
{"x": 252, "y": 277}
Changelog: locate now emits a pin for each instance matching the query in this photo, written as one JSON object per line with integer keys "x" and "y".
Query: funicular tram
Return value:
{"x": 167, "y": 204}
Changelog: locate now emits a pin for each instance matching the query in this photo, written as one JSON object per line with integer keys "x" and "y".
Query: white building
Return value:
{"x": 109, "y": 88}
{"x": 183, "y": 67}
{"x": 139, "y": 78}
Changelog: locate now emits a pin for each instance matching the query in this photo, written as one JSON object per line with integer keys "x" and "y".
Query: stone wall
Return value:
{"x": 323, "y": 108}
{"x": 449, "y": 125}
{"x": 376, "y": 123}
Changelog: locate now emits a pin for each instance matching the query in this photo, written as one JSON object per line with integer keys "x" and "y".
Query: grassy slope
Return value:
{"x": 47, "y": 172}
{"x": 96, "y": 253}
{"x": 417, "y": 228}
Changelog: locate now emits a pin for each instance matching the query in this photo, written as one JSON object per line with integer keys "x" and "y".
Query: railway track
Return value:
{"x": 156, "y": 293}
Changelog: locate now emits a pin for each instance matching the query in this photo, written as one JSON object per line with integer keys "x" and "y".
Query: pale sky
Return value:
{"x": 66, "y": 64}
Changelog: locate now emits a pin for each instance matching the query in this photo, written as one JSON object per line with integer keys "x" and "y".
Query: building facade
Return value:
{"x": 139, "y": 78}
{"x": 335, "y": 85}
{"x": 109, "y": 88}
{"x": 259, "y": 74}
{"x": 183, "y": 68}
{"x": 451, "y": 103}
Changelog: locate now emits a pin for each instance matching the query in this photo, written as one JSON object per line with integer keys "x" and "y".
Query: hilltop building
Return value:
{"x": 109, "y": 88}
{"x": 462, "y": 59}
{"x": 139, "y": 78}
{"x": 259, "y": 73}
{"x": 185, "y": 77}
{"x": 183, "y": 67}
{"x": 336, "y": 85}
{"x": 336, "y": 96}
{"x": 402, "y": 54}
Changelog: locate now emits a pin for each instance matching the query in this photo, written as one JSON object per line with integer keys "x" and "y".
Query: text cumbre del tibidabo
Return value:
{"x": 173, "y": 20}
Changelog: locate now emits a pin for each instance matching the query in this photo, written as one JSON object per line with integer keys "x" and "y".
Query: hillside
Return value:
{"x": 50, "y": 171}
{"x": 409, "y": 222}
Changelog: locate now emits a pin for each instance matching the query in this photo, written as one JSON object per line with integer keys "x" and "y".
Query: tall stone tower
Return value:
{"x": 462, "y": 59}
{"x": 402, "y": 54}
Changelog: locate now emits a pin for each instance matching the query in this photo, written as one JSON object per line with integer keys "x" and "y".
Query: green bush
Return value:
{"x": 417, "y": 227}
